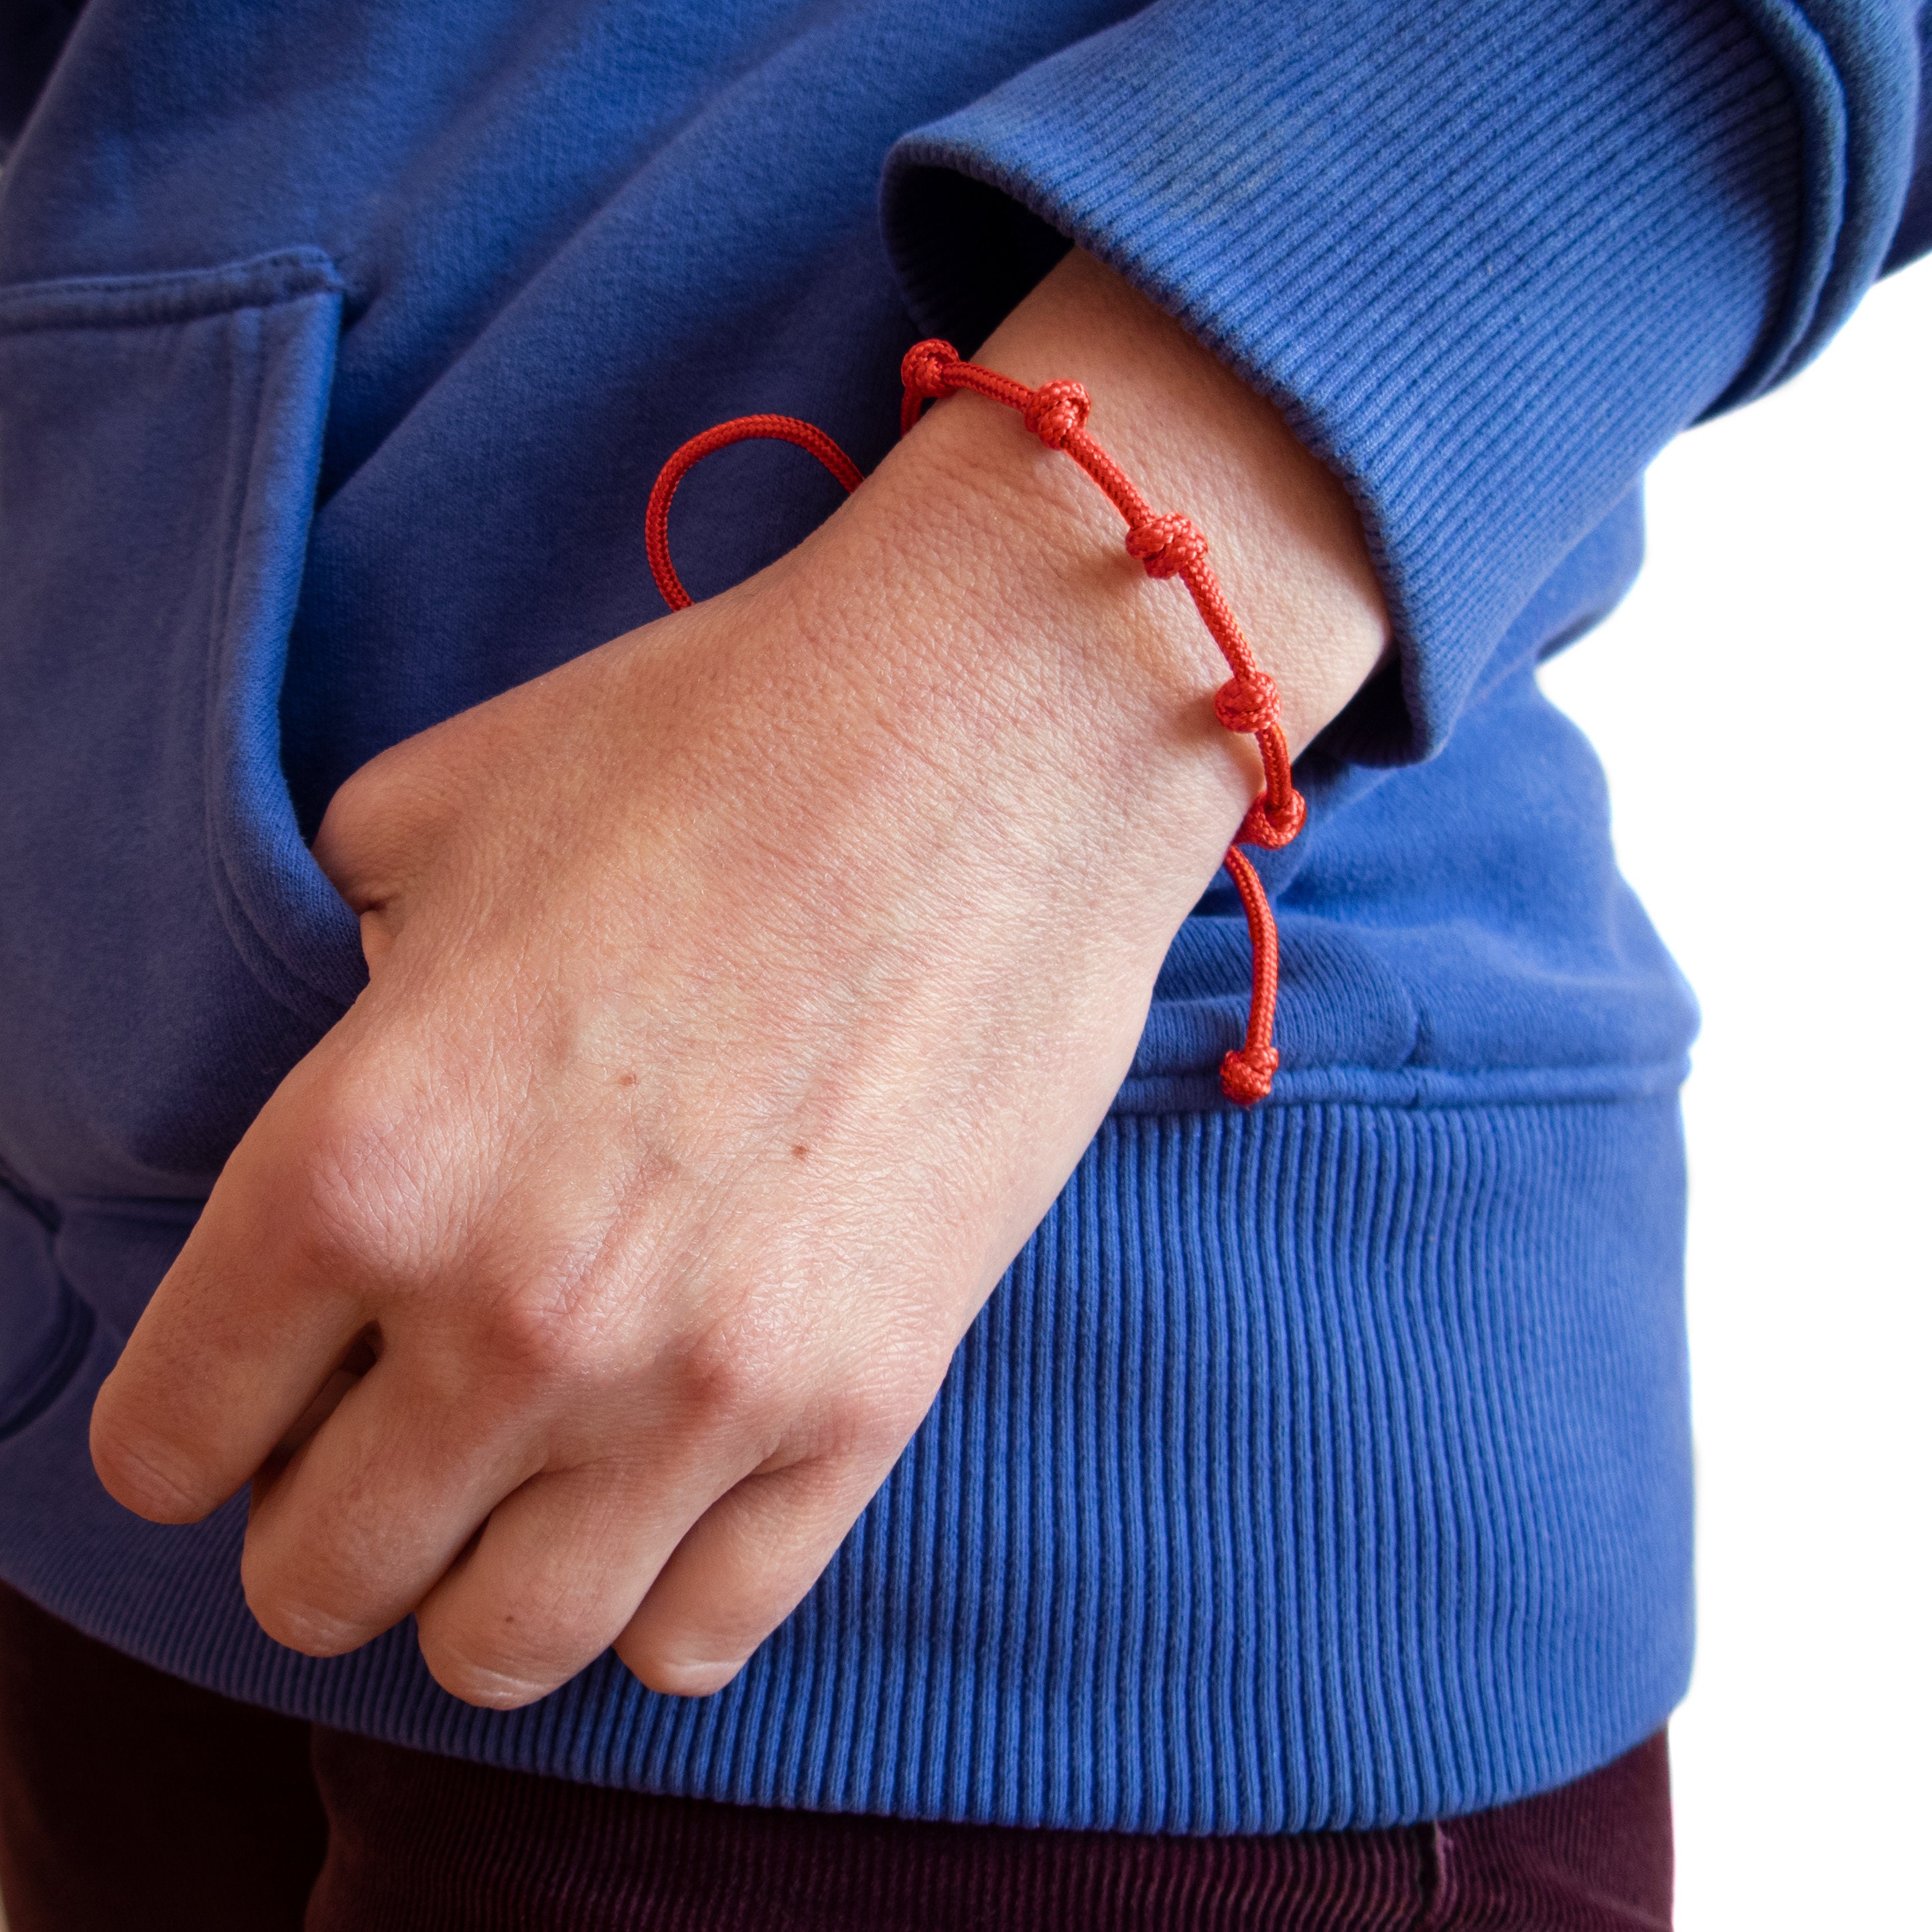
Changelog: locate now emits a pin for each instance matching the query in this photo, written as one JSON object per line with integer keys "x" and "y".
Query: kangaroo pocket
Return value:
{"x": 168, "y": 947}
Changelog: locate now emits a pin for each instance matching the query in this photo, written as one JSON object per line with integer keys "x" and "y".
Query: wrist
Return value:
{"x": 1286, "y": 542}
{"x": 974, "y": 599}
{"x": 1027, "y": 613}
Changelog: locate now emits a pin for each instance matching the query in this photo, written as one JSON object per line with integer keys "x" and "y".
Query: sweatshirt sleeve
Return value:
{"x": 1486, "y": 259}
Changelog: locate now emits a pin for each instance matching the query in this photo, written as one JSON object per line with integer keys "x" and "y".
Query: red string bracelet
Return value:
{"x": 1168, "y": 546}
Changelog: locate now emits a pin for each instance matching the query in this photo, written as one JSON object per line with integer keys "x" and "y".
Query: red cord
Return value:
{"x": 1168, "y": 546}
{"x": 739, "y": 429}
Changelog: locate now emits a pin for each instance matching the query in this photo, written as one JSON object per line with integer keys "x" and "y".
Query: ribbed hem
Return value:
{"x": 1324, "y": 1466}
{"x": 1488, "y": 262}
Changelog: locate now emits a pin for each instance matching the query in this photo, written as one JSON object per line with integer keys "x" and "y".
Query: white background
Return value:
{"x": 1763, "y": 705}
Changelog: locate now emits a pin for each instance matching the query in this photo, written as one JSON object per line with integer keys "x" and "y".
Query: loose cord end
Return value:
{"x": 1248, "y": 1075}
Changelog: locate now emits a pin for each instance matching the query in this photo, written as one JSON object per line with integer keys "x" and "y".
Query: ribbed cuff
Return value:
{"x": 1487, "y": 261}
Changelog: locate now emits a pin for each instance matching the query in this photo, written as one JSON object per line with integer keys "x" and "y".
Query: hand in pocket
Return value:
{"x": 741, "y": 995}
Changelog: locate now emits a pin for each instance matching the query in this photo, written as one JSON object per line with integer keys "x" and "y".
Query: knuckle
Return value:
{"x": 300, "y": 1626}
{"x": 727, "y": 1380}
{"x": 858, "y": 1426}
{"x": 369, "y": 825}
{"x": 496, "y": 1671}
{"x": 359, "y": 1188}
{"x": 536, "y": 1335}
{"x": 305, "y": 1605}
{"x": 678, "y": 1674}
{"x": 145, "y": 1472}
{"x": 871, "y": 1405}
{"x": 354, "y": 809}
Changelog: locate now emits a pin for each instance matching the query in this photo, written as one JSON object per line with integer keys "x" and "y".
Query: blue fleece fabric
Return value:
{"x": 1324, "y": 1464}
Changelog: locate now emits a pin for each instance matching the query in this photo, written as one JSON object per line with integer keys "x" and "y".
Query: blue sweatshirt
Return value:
{"x": 1323, "y": 1464}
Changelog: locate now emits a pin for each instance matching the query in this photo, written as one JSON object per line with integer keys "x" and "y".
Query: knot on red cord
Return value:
{"x": 1247, "y": 1075}
{"x": 1055, "y": 411}
{"x": 1167, "y": 545}
{"x": 1249, "y": 704}
{"x": 925, "y": 368}
{"x": 1272, "y": 823}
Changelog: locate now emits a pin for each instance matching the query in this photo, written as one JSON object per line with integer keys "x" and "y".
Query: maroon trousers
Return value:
{"x": 129, "y": 1799}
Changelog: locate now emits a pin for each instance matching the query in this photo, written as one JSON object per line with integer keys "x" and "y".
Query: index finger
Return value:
{"x": 244, "y": 1331}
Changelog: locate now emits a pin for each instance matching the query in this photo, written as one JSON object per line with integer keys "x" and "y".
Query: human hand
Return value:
{"x": 741, "y": 995}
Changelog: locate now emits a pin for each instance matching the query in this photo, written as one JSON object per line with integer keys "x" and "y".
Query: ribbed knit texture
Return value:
{"x": 1323, "y": 1466}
